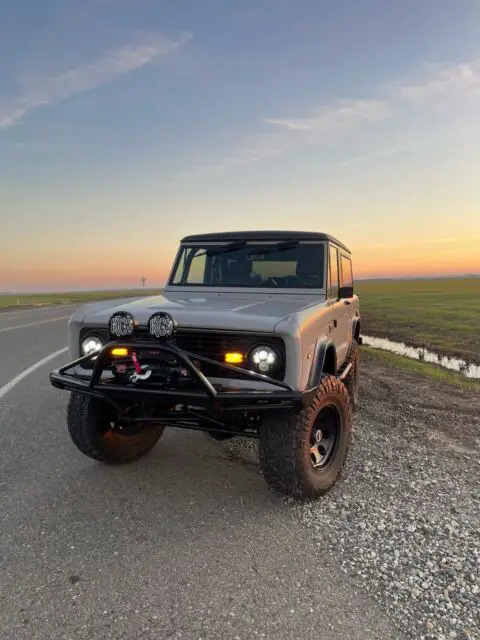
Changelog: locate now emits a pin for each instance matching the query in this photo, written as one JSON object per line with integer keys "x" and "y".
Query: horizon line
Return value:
{"x": 448, "y": 276}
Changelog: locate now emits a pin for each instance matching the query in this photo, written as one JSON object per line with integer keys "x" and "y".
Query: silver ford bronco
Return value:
{"x": 256, "y": 334}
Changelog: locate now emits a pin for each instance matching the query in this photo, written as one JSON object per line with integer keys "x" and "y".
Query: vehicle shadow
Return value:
{"x": 189, "y": 488}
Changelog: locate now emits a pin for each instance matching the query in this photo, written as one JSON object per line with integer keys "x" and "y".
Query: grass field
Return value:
{"x": 42, "y": 299}
{"x": 442, "y": 315}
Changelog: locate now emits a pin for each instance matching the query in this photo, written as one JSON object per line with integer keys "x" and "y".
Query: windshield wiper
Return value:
{"x": 231, "y": 246}
{"x": 279, "y": 246}
{"x": 240, "y": 244}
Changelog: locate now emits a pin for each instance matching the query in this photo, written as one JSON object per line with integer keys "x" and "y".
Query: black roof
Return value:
{"x": 260, "y": 236}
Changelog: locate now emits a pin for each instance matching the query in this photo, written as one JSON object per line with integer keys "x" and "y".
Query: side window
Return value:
{"x": 180, "y": 271}
{"x": 347, "y": 275}
{"x": 333, "y": 272}
{"x": 196, "y": 273}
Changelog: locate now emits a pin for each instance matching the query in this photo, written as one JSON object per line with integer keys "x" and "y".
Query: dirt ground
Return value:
{"x": 439, "y": 410}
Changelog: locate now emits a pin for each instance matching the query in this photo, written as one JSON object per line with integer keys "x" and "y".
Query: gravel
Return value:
{"x": 404, "y": 521}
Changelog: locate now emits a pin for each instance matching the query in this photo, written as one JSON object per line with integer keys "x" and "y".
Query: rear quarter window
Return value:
{"x": 346, "y": 271}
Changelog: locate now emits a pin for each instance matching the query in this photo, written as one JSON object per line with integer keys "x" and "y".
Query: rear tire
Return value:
{"x": 288, "y": 458}
{"x": 92, "y": 428}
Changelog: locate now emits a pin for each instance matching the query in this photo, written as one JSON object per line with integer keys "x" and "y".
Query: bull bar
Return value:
{"x": 205, "y": 394}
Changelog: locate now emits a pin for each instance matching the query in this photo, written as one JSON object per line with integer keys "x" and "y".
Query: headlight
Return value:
{"x": 264, "y": 359}
{"x": 90, "y": 345}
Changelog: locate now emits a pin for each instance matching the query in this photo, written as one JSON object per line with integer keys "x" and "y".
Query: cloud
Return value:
{"x": 281, "y": 135}
{"x": 439, "y": 81}
{"x": 110, "y": 65}
{"x": 288, "y": 135}
{"x": 336, "y": 117}
{"x": 289, "y": 124}
{"x": 325, "y": 124}
{"x": 368, "y": 157}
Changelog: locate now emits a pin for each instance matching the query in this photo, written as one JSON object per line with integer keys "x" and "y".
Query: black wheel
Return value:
{"x": 352, "y": 379}
{"x": 93, "y": 427}
{"x": 303, "y": 454}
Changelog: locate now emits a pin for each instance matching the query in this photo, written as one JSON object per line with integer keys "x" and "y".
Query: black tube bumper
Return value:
{"x": 202, "y": 393}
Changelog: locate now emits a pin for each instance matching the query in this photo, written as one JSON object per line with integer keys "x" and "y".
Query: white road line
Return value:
{"x": 33, "y": 324}
{"x": 11, "y": 316}
{"x": 35, "y": 313}
{"x": 9, "y": 386}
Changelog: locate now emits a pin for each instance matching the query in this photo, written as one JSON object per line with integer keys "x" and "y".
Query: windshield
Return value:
{"x": 283, "y": 265}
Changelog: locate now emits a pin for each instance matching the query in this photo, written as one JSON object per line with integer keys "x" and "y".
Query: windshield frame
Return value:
{"x": 178, "y": 287}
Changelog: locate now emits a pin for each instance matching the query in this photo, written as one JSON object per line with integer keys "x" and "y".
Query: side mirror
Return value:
{"x": 345, "y": 292}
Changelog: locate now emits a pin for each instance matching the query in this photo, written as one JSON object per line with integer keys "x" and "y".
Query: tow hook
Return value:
{"x": 142, "y": 372}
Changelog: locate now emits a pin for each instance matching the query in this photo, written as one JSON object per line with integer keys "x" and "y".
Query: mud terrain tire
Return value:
{"x": 89, "y": 425}
{"x": 287, "y": 440}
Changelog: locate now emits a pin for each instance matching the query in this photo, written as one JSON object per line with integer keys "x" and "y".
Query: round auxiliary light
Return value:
{"x": 264, "y": 359}
{"x": 91, "y": 344}
{"x": 161, "y": 325}
{"x": 122, "y": 324}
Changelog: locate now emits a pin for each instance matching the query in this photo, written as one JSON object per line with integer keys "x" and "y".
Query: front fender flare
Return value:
{"x": 318, "y": 364}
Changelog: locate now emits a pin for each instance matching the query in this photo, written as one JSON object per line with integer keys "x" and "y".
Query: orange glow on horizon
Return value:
{"x": 47, "y": 273}
{"x": 454, "y": 258}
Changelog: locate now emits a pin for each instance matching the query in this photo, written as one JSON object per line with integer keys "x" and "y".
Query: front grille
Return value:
{"x": 214, "y": 345}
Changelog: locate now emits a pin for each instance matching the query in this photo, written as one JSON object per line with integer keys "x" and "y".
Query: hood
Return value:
{"x": 226, "y": 311}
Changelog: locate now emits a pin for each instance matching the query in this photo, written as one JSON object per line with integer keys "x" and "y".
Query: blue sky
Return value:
{"x": 149, "y": 120}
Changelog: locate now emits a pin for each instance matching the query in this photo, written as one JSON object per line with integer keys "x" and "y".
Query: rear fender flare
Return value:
{"x": 356, "y": 330}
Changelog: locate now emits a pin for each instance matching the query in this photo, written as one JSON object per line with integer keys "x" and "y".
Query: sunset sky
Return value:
{"x": 126, "y": 124}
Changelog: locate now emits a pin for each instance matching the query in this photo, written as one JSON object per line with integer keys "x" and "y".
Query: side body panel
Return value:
{"x": 347, "y": 310}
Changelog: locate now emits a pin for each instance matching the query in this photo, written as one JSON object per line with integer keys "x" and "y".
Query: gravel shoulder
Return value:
{"x": 404, "y": 521}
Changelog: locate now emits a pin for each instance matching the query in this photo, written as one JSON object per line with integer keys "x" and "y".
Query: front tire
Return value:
{"x": 93, "y": 429}
{"x": 352, "y": 379}
{"x": 302, "y": 455}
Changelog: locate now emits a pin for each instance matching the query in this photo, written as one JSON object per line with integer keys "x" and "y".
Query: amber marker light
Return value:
{"x": 120, "y": 352}
{"x": 234, "y": 358}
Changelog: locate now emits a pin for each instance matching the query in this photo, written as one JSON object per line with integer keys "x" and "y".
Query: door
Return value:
{"x": 345, "y": 311}
{"x": 337, "y": 319}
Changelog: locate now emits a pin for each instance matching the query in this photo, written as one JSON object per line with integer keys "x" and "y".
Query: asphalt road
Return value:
{"x": 185, "y": 543}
